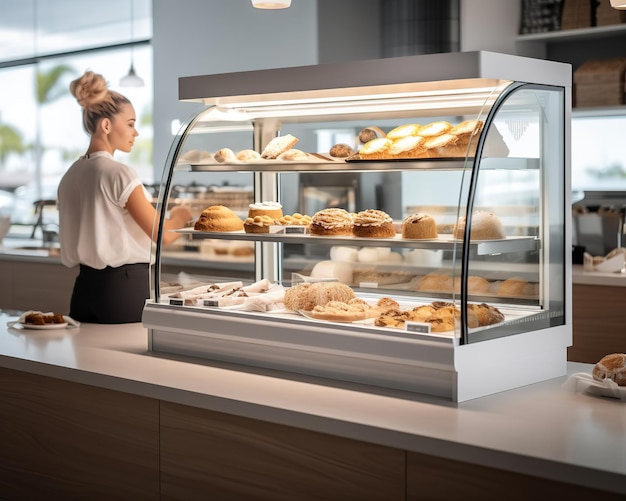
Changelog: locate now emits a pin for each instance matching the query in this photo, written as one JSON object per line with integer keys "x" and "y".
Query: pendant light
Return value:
{"x": 132, "y": 79}
{"x": 618, "y": 4}
{"x": 271, "y": 4}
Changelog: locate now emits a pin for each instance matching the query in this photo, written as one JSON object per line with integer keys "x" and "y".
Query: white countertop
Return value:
{"x": 541, "y": 429}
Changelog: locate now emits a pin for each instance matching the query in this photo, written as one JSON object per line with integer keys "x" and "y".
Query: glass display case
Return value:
{"x": 465, "y": 156}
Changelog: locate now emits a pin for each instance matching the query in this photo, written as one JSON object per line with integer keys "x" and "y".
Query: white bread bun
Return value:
{"x": 340, "y": 271}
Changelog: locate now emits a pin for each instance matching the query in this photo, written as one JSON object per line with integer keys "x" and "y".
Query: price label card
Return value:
{"x": 417, "y": 327}
{"x": 177, "y": 302}
{"x": 368, "y": 285}
{"x": 211, "y": 302}
{"x": 295, "y": 230}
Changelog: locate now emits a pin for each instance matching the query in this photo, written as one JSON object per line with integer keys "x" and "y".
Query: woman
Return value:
{"x": 105, "y": 215}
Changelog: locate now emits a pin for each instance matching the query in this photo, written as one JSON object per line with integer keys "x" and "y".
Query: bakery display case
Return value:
{"x": 408, "y": 227}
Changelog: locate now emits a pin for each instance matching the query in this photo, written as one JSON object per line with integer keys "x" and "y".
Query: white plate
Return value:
{"x": 585, "y": 383}
{"x": 44, "y": 327}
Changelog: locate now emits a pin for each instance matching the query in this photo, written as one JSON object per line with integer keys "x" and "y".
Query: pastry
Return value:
{"x": 369, "y": 133}
{"x": 248, "y": 156}
{"x": 439, "y": 146}
{"x": 485, "y": 313}
{"x": 293, "y": 154}
{"x": 340, "y": 311}
{"x": 485, "y": 226}
{"x": 272, "y": 209}
{"x": 434, "y": 129}
{"x": 514, "y": 287}
{"x": 612, "y": 367}
{"x": 279, "y": 145}
{"x": 419, "y": 226}
{"x": 341, "y": 151}
{"x": 37, "y": 318}
{"x": 331, "y": 222}
{"x": 309, "y": 295}
{"x": 225, "y": 155}
{"x": 373, "y": 223}
{"x": 435, "y": 282}
{"x": 196, "y": 157}
{"x": 376, "y": 149}
{"x": 295, "y": 219}
{"x": 403, "y": 131}
{"x": 218, "y": 218}
{"x": 407, "y": 147}
{"x": 258, "y": 224}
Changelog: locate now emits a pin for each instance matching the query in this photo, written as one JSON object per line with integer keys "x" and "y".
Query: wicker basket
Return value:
{"x": 600, "y": 83}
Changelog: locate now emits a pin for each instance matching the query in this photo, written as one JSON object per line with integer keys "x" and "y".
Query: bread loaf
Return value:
{"x": 309, "y": 295}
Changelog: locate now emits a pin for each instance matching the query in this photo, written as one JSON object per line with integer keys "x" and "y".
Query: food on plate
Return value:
{"x": 248, "y": 155}
{"x": 611, "y": 367}
{"x": 279, "y": 145}
{"x": 218, "y": 218}
{"x": 441, "y": 316}
{"x": 272, "y": 209}
{"x": 485, "y": 226}
{"x": 307, "y": 296}
{"x": 295, "y": 219}
{"x": 373, "y": 223}
{"x": 369, "y": 133}
{"x": 352, "y": 310}
{"x": 225, "y": 155}
{"x": 435, "y": 129}
{"x": 376, "y": 149}
{"x": 333, "y": 221}
{"x": 407, "y": 147}
{"x": 403, "y": 131}
{"x": 36, "y": 318}
{"x": 258, "y": 224}
{"x": 419, "y": 226}
{"x": 293, "y": 154}
{"x": 341, "y": 151}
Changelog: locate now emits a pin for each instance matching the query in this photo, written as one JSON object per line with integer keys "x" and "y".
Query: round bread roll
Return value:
{"x": 513, "y": 287}
{"x": 196, "y": 157}
{"x": 309, "y": 295}
{"x": 331, "y": 221}
{"x": 373, "y": 223}
{"x": 485, "y": 226}
{"x": 218, "y": 218}
{"x": 271, "y": 209}
{"x": 369, "y": 133}
{"x": 419, "y": 226}
{"x": 486, "y": 314}
{"x": 225, "y": 155}
{"x": 343, "y": 253}
{"x": 611, "y": 367}
{"x": 341, "y": 151}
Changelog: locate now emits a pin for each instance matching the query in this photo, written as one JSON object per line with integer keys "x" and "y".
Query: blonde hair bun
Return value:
{"x": 91, "y": 88}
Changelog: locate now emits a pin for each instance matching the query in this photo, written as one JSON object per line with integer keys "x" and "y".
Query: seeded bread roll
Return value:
{"x": 370, "y": 133}
{"x": 341, "y": 151}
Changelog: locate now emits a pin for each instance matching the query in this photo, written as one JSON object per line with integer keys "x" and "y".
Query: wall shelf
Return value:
{"x": 564, "y": 36}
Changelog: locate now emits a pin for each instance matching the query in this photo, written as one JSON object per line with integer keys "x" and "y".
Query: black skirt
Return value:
{"x": 110, "y": 295}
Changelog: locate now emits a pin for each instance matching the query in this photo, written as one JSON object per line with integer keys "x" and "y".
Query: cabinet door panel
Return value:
{"x": 237, "y": 458}
{"x": 63, "y": 440}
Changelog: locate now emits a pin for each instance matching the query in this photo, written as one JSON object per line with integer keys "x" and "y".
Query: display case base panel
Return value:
{"x": 428, "y": 364}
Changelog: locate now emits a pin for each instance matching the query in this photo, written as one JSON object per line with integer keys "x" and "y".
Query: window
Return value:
{"x": 41, "y": 137}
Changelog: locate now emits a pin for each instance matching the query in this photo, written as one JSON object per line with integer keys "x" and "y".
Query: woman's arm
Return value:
{"x": 142, "y": 211}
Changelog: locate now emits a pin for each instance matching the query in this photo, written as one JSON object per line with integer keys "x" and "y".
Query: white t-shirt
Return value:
{"x": 95, "y": 228}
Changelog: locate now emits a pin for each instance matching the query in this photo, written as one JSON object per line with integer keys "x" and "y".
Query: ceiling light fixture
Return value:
{"x": 132, "y": 79}
{"x": 269, "y": 4}
{"x": 618, "y": 4}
